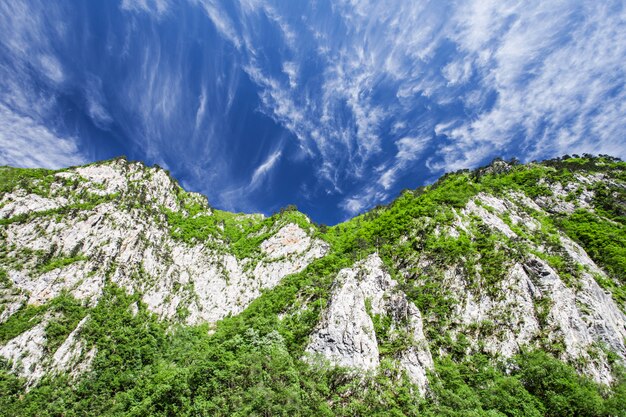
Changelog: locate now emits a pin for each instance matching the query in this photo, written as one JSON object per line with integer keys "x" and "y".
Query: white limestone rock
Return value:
{"x": 29, "y": 359}
{"x": 26, "y": 353}
{"x": 136, "y": 251}
{"x": 204, "y": 282}
{"x": 582, "y": 319}
{"x": 107, "y": 178}
{"x": 492, "y": 220}
{"x": 11, "y": 299}
{"x": 289, "y": 240}
{"x": 346, "y": 336}
{"x": 116, "y": 176}
{"x": 558, "y": 201}
{"x": 19, "y": 203}
{"x": 72, "y": 356}
{"x": 511, "y": 315}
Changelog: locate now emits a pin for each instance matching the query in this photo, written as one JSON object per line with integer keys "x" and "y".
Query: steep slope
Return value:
{"x": 115, "y": 227}
{"x": 143, "y": 296}
{"x": 365, "y": 305}
{"x": 492, "y": 246}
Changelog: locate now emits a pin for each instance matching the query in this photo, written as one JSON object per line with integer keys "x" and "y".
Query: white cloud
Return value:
{"x": 26, "y": 143}
{"x": 96, "y": 102}
{"x": 354, "y": 205}
{"x": 220, "y": 20}
{"x": 558, "y": 72}
{"x": 262, "y": 170}
{"x": 351, "y": 81}
{"x": 291, "y": 70}
{"x": 367, "y": 197}
{"x": 411, "y": 148}
{"x": 52, "y": 68}
{"x": 381, "y": 48}
{"x": 154, "y": 7}
{"x": 28, "y": 33}
{"x": 202, "y": 101}
{"x": 154, "y": 93}
{"x": 457, "y": 72}
{"x": 388, "y": 178}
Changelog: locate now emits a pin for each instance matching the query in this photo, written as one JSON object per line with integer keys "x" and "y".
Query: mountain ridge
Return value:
{"x": 508, "y": 262}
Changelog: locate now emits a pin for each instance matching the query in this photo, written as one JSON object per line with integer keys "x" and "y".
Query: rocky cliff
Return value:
{"x": 493, "y": 263}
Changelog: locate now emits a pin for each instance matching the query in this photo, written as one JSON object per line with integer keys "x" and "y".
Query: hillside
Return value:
{"x": 493, "y": 292}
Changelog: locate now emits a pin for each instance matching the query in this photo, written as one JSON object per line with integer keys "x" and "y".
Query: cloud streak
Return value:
{"x": 530, "y": 79}
{"x": 264, "y": 169}
{"x": 357, "y": 99}
{"x": 25, "y": 143}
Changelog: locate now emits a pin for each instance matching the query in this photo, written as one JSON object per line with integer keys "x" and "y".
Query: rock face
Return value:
{"x": 136, "y": 251}
{"x": 132, "y": 247}
{"x": 582, "y": 319}
{"x": 28, "y": 358}
{"x": 531, "y": 305}
{"x": 513, "y": 313}
{"x": 72, "y": 355}
{"x": 491, "y": 275}
{"x": 289, "y": 240}
{"x": 346, "y": 334}
{"x": 26, "y": 353}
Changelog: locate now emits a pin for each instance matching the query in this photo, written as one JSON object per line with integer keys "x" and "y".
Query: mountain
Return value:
{"x": 495, "y": 292}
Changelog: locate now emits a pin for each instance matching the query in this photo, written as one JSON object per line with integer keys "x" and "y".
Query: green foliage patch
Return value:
{"x": 63, "y": 314}
{"x": 22, "y": 320}
{"x": 241, "y": 233}
{"x": 60, "y": 262}
{"x": 602, "y": 239}
{"x": 35, "y": 181}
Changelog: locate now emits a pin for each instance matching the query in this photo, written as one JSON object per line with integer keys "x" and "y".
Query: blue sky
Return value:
{"x": 334, "y": 106}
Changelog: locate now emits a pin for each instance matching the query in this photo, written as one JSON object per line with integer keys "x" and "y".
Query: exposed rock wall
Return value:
{"x": 28, "y": 355}
{"x": 132, "y": 248}
{"x": 581, "y": 319}
{"x": 346, "y": 334}
{"x": 108, "y": 223}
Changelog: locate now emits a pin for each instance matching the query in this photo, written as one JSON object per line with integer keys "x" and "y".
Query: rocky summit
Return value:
{"x": 493, "y": 292}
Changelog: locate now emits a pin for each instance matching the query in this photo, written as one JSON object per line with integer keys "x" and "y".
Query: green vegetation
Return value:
{"x": 60, "y": 262}
{"x": 21, "y": 321}
{"x": 35, "y": 181}
{"x": 144, "y": 369}
{"x": 4, "y": 279}
{"x": 240, "y": 232}
{"x": 65, "y": 312}
{"x": 251, "y": 364}
{"x": 532, "y": 383}
{"x": 602, "y": 239}
{"x": 87, "y": 201}
{"x": 62, "y": 314}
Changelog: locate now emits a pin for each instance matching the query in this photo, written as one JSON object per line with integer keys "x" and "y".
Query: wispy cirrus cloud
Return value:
{"x": 156, "y": 7}
{"x": 220, "y": 19}
{"x": 30, "y": 67}
{"x": 346, "y": 102}
{"x": 96, "y": 102}
{"x": 557, "y": 73}
{"x": 26, "y": 143}
{"x": 410, "y": 149}
{"x": 263, "y": 170}
{"x": 530, "y": 79}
